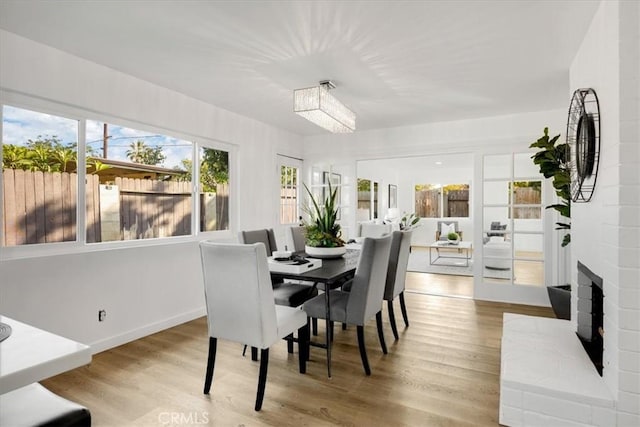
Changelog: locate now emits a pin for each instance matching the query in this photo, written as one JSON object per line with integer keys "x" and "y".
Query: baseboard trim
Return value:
{"x": 117, "y": 340}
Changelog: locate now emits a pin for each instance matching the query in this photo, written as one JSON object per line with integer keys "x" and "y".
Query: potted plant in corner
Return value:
{"x": 322, "y": 232}
{"x": 553, "y": 159}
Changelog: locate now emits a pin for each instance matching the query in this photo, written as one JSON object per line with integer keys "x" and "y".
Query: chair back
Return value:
{"x": 264, "y": 236}
{"x": 296, "y": 239}
{"x": 238, "y": 293}
{"x": 398, "y": 260}
{"x": 367, "y": 290}
{"x": 373, "y": 230}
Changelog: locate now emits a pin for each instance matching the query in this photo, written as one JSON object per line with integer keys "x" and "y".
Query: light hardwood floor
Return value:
{"x": 443, "y": 371}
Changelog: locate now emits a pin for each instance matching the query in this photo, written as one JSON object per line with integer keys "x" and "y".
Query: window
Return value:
{"x": 288, "y": 194}
{"x": 214, "y": 189}
{"x": 364, "y": 199}
{"x": 40, "y": 181}
{"x": 436, "y": 201}
{"x": 527, "y": 199}
{"x": 139, "y": 184}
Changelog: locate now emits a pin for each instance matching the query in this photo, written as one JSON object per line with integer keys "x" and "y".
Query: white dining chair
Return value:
{"x": 241, "y": 306}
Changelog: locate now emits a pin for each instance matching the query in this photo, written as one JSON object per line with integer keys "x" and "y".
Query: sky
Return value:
{"x": 20, "y": 125}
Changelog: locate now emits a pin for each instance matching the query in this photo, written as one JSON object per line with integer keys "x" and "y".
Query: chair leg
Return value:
{"x": 254, "y": 353}
{"x": 244, "y": 350}
{"x": 211, "y": 361}
{"x": 363, "y": 350}
{"x": 303, "y": 347}
{"x": 331, "y": 324}
{"x": 392, "y": 319}
{"x": 403, "y": 307}
{"x": 289, "y": 339}
{"x": 262, "y": 379}
{"x": 381, "y": 332}
{"x": 314, "y": 325}
{"x": 344, "y": 326}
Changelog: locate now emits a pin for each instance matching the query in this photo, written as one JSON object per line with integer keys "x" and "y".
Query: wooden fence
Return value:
{"x": 40, "y": 207}
{"x": 455, "y": 203}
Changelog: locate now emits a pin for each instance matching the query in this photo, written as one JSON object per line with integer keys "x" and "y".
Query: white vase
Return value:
{"x": 318, "y": 252}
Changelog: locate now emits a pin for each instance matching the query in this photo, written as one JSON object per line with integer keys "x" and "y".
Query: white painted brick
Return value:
{"x": 628, "y": 420}
{"x": 612, "y": 312}
{"x": 628, "y": 402}
{"x": 629, "y": 361}
{"x": 629, "y": 237}
{"x": 629, "y": 340}
{"x": 603, "y": 417}
{"x": 629, "y": 216}
{"x": 630, "y": 320}
{"x": 510, "y": 396}
{"x": 629, "y": 299}
{"x": 510, "y": 416}
{"x": 629, "y": 258}
{"x": 535, "y": 419}
{"x": 630, "y": 382}
{"x": 556, "y": 407}
{"x": 628, "y": 277}
{"x": 629, "y": 138}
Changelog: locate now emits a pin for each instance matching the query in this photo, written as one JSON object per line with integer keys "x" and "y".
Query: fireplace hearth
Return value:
{"x": 591, "y": 314}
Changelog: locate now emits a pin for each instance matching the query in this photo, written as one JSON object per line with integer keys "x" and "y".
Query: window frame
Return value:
{"x": 80, "y": 245}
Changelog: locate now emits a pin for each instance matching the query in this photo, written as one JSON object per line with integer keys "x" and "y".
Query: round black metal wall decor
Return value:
{"x": 583, "y": 143}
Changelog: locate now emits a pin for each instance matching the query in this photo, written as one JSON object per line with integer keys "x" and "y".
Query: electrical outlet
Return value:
{"x": 102, "y": 314}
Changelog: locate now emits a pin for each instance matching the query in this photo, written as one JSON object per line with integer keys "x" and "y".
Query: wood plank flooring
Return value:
{"x": 443, "y": 371}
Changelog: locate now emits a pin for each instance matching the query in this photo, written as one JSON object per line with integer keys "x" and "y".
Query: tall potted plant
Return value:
{"x": 322, "y": 232}
{"x": 553, "y": 162}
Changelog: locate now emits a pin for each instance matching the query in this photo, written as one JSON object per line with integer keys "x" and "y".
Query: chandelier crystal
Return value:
{"x": 318, "y": 106}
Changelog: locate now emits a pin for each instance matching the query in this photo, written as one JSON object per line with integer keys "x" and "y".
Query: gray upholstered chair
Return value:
{"x": 396, "y": 276}
{"x": 441, "y": 236}
{"x": 368, "y": 229}
{"x": 364, "y": 300}
{"x": 34, "y": 405}
{"x": 241, "y": 306}
{"x": 285, "y": 293}
{"x": 295, "y": 238}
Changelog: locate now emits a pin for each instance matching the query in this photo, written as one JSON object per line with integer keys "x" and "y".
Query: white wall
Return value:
{"x": 143, "y": 289}
{"x": 606, "y": 231}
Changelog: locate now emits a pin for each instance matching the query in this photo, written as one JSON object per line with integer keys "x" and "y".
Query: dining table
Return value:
{"x": 30, "y": 354}
{"x": 331, "y": 275}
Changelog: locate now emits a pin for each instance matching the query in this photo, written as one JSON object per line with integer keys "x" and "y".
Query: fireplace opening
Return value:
{"x": 591, "y": 314}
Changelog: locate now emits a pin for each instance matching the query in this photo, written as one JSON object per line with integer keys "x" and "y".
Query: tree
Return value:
{"x": 45, "y": 154}
{"x": 140, "y": 152}
{"x": 214, "y": 169}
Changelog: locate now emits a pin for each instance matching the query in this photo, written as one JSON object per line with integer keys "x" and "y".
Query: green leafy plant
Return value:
{"x": 322, "y": 229}
{"x": 453, "y": 236}
{"x": 409, "y": 221}
{"x": 553, "y": 161}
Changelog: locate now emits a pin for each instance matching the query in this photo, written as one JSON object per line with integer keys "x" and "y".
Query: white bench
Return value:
{"x": 546, "y": 377}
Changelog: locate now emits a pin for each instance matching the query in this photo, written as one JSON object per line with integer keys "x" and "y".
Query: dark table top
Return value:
{"x": 332, "y": 270}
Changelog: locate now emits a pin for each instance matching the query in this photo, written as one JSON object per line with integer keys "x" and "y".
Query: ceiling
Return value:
{"x": 395, "y": 63}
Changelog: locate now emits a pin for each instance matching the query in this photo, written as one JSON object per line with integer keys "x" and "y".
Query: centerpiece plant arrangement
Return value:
{"x": 322, "y": 233}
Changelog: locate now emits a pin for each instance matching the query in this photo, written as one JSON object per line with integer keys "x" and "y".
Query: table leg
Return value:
{"x": 327, "y": 307}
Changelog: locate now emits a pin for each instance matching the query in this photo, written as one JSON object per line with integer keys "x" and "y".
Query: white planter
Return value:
{"x": 325, "y": 252}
